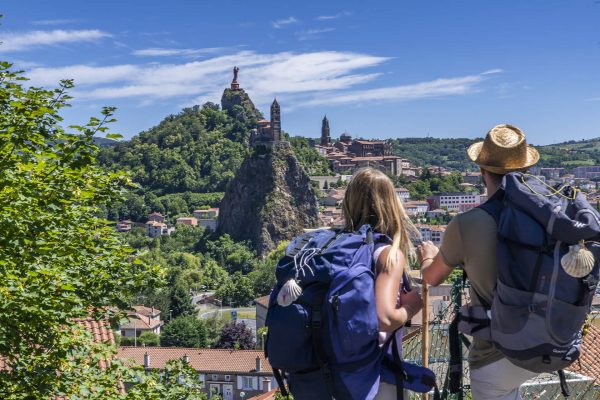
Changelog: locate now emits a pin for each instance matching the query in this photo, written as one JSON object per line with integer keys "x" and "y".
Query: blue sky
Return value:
{"x": 378, "y": 69}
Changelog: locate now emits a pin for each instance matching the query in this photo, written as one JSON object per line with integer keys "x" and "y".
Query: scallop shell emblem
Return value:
{"x": 579, "y": 261}
{"x": 289, "y": 292}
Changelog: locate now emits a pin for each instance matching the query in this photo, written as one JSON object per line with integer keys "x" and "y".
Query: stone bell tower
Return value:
{"x": 325, "y": 138}
{"x": 275, "y": 121}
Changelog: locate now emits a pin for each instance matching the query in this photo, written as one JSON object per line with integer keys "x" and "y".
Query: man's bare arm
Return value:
{"x": 433, "y": 266}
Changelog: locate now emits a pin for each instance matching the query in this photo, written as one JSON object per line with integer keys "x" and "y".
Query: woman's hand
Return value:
{"x": 426, "y": 251}
{"x": 411, "y": 302}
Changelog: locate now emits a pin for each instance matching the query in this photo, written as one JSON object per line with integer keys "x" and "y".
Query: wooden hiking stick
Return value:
{"x": 425, "y": 329}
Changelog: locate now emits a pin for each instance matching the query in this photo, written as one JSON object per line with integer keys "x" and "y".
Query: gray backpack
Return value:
{"x": 548, "y": 268}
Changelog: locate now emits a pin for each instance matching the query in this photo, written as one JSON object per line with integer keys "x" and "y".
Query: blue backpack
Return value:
{"x": 322, "y": 322}
{"x": 542, "y": 298}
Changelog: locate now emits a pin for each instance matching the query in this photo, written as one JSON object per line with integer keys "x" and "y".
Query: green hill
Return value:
{"x": 451, "y": 153}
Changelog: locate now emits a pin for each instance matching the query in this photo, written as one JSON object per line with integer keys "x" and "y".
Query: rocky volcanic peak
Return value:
{"x": 245, "y": 112}
{"x": 269, "y": 200}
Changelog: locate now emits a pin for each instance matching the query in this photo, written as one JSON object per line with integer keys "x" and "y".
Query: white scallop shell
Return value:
{"x": 578, "y": 262}
{"x": 289, "y": 292}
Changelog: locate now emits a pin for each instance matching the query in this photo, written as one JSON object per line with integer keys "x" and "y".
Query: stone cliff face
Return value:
{"x": 269, "y": 200}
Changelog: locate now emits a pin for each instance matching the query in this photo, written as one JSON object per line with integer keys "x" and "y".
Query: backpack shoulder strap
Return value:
{"x": 493, "y": 206}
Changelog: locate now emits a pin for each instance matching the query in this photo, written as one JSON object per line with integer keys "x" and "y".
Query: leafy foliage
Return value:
{"x": 236, "y": 336}
{"x": 313, "y": 162}
{"x": 448, "y": 153}
{"x": 186, "y": 331}
{"x": 59, "y": 260}
{"x": 180, "y": 302}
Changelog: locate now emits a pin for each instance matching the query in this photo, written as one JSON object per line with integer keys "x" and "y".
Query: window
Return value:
{"x": 227, "y": 378}
{"x": 247, "y": 382}
{"x": 215, "y": 377}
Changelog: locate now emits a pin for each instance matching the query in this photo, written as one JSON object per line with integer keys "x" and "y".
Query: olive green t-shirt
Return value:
{"x": 470, "y": 240}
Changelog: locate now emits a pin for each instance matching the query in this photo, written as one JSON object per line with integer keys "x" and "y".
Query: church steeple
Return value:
{"x": 325, "y": 138}
{"x": 275, "y": 121}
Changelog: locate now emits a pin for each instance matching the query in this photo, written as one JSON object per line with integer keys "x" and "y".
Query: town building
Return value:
{"x": 124, "y": 226}
{"x": 208, "y": 219}
{"x": 334, "y": 197}
{"x": 332, "y": 217}
{"x": 416, "y": 208}
{"x": 402, "y": 193}
{"x": 452, "y": 201}
{"x": 438, "y": 212}
{"x": 474, "y": 178}
{"x": 156, "y": 229}
{"x": 156, "y": 217}
{"x": 222, "y": 372}
{"x": 191, "y": 221}
{"x": 433, "y": 233}
{"x": 587, "y": 172}
{"x": 552, "y": 173}
{"x": 141, "y": 319}
{"x": 346, "y": 156}
{"x": 262, "y": 305}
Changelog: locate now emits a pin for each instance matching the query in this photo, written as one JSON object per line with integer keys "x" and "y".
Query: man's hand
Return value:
{"x": 426, "y": 250}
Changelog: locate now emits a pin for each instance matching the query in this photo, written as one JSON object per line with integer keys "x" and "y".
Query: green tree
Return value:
{"x": 186, "y": 331}
{"x": 212, "y": 275}
{"x": 58, "y": 259}
{"x": 262, "y": 278}
{"x": 237, "y": 291}
{"x": 236, "y": 336}
{"x": 149, "y": 339}
{"x": 233, "y": 256}
{"x": 180, "y": 302}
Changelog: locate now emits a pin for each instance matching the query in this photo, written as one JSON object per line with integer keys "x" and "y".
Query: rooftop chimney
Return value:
{"x": 266, "y": 384}
{"x": 258, "y": 364}
{"x": 186, "y": 358}
{"x": 147, "y": 361}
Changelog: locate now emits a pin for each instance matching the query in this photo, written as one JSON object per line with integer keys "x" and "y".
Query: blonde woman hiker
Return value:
{"x": 336, "y": 312}
{"x": 370, "y": 199}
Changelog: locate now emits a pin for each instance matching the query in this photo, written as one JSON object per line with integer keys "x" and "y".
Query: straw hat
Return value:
{"x": 503, "y": 150}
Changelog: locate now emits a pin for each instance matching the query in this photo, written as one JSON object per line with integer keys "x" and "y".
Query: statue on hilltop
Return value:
{"x": 234, "y": 83}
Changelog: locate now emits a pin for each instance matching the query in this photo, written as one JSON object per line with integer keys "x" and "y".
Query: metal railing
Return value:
{"x": 543, "y": 387}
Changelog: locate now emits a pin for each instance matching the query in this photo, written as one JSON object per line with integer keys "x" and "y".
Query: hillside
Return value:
{"x": 451, "y": 153}
{"x": 187, "y": 160}
{"x": 571, "y": 154}
{"x": 448, "y": 153}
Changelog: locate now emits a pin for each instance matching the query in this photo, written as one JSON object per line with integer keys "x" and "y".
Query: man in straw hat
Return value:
{"x": 470, "y": 240}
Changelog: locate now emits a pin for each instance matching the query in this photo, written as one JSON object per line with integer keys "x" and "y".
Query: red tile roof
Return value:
{"x": 206, "y": 360}
{"x": 101, "y": 330}
{"x": 589, "y": 360}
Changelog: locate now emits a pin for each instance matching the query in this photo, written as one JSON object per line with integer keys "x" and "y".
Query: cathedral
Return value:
{"x": 347, "y": 155}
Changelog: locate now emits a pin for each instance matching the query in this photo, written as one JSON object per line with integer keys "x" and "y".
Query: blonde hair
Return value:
{"x": 370, "y": 199}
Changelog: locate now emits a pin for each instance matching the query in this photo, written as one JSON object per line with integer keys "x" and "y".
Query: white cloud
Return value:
{"x": 435, "y": 88}
{"x": 298, "y": 79}
{"x": 280, "y": 23}
{"x": 594, "y": 99}
{"x": 49, "y": 22}
{"x": 29, "y": 40}
{"x": 166, "y": 52}
{"x": 334, "y": 16}
{"x": 312, "y": 33}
